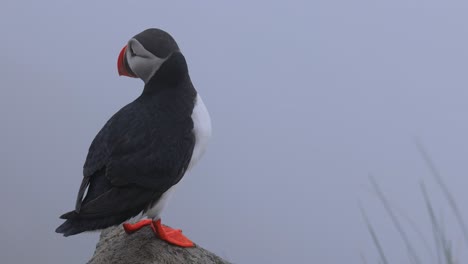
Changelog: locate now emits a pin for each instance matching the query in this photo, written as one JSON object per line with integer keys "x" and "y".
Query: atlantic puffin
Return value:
{"x": 144, "y": 150}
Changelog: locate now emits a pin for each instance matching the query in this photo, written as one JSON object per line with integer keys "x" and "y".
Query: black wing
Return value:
{"x": 137, "y": 155}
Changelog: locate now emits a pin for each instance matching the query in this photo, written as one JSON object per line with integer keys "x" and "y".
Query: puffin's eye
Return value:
{"x": 132, "y": 52}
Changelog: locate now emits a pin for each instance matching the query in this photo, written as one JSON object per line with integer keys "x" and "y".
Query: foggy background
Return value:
{"x": 307, "y": 98}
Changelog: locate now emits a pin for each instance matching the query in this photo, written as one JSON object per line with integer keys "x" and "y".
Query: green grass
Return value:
{"x": 442, "y": 250}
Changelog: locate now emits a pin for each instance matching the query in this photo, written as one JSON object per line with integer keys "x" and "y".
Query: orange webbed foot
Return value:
{"x": 132, "y": 228}
{"x": 170, "y": 235}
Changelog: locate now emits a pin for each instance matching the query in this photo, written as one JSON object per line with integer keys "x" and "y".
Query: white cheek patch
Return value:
{"x": 144, "y": 63}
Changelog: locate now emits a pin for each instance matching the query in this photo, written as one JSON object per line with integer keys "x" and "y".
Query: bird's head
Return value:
{"x": 145, "y": 53}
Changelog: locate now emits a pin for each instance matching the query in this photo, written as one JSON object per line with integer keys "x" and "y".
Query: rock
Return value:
{"x": 142, "y": 247}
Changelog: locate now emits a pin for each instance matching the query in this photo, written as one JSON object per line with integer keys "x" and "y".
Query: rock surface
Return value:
{"x": 142, "y": 247}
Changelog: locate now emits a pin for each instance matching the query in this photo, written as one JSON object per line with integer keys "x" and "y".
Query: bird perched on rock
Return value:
{"x": 145, "y": 149}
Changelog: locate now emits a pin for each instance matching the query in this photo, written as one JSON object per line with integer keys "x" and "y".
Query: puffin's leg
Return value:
{"x": 170, "y": 235}
{"x": 131, "y": 228}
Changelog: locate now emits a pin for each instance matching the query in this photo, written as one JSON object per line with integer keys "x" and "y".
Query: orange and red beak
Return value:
{"x": 122, "y": 64}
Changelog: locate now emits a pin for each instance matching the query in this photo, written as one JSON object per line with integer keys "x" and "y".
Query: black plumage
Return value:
{"x": 142, "y": 151}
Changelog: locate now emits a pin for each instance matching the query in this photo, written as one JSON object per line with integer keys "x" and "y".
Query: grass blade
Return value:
{"x": 419, "y": 233}
{"x": 435, "y": 225}
{"x": 445, "y": 190}
{"x": 411, "y": 252}
{"x": 383, "y": 259}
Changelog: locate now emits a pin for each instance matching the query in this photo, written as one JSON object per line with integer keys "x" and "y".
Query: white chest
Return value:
{"x": 201, "y": 129}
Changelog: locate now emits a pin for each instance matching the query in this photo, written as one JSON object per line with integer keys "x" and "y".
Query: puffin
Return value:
{"x": 143, "y": 151}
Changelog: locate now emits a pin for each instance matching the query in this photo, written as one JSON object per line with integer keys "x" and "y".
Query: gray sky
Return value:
{"x": 306, "y": 98}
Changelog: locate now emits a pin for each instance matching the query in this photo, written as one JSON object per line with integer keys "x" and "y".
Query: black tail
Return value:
{"x": 105, "y": 205}
{"x": 75, "y": 225}
{"x": 116, "y": 207}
